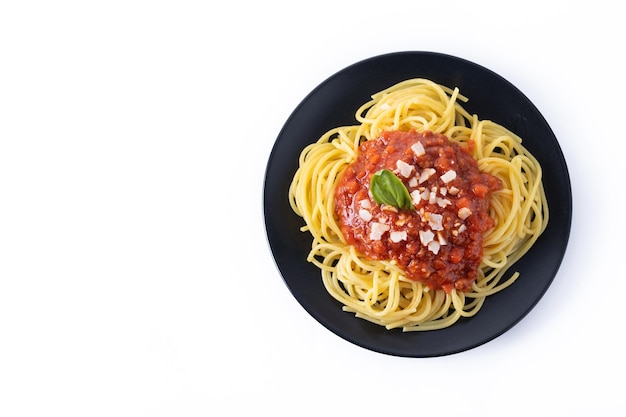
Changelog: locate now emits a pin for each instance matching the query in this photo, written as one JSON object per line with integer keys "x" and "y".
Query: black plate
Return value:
{"x": 333, "y": 103}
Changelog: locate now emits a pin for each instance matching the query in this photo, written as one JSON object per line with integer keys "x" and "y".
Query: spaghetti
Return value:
{"x": 380, "y": 289}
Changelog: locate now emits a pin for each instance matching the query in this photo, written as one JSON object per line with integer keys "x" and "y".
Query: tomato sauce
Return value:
{"x": 439, "y": 241}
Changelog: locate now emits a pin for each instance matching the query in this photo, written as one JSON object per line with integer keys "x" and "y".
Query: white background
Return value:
{"x": 135, "y": 275}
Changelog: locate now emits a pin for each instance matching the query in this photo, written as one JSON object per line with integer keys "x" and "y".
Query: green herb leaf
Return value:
{"x": 388, "y": 189}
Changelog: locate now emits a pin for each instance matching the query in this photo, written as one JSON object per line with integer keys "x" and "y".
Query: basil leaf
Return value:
{"x": 388, "y": 189}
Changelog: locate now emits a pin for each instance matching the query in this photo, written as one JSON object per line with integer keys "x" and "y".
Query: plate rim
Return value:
{"x": 381, "y": 348}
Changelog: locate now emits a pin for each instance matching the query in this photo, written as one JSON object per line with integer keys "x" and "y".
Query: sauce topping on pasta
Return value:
{"x": 439, "y": 240}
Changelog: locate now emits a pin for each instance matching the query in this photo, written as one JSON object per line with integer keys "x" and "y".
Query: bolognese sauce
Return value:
{"x": 439, "y": 240}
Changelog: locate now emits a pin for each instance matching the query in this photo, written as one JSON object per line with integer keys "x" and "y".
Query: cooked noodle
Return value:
{"x": 378, "y": 290}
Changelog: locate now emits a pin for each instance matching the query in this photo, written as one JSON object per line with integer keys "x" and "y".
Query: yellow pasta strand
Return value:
{"x": 378, "y": 291}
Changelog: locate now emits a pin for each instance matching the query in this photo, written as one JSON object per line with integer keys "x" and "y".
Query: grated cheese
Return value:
{"x": 434, "y": 246}
{"x": 464, "y": 213}
{"x": 396, "y": 236}
{"x": 443, "y": 202}
{"x": 426, "y": 236}
{"x": 416, "y": 197}
{"x": 426, "y": 174}
{"x": 418, "y": 149}
{"x": 365, "y": 215}
{"x": 448, "y": 176}
{"x": 404, "y": 169}
{"x": 435, "y": 221}
{"x": 378, "y": 229}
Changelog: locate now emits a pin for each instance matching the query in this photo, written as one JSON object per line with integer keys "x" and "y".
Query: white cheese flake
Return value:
{"x": 413, "y": 182}
{"x": 434, "y": 246}
{"x": 448, "y": 176}
{"x": 464, "y": 213}
{"x": 459, "y": 230}
{"x": 435, "y": 221}
{"x": 443, "y": 202}
{"x": 415, "y": 197}
{"x": 432, "y": 198}
{"x": 418, "y": 149}
{"x": 422, "y": 214}
{"x": 365, "y": 215}
{"x": 397, "y": 236}
{"x": 426, "y": 174}
{"x": 453, "y": 190}
{"x": 426, "y": 236}
{"x": 365, "y": 204}
{"x": 378, "y": 229}
{"x": 404, "y": 169}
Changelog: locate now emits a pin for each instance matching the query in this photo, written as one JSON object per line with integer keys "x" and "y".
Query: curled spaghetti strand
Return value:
{"x": 378, "y": 291}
